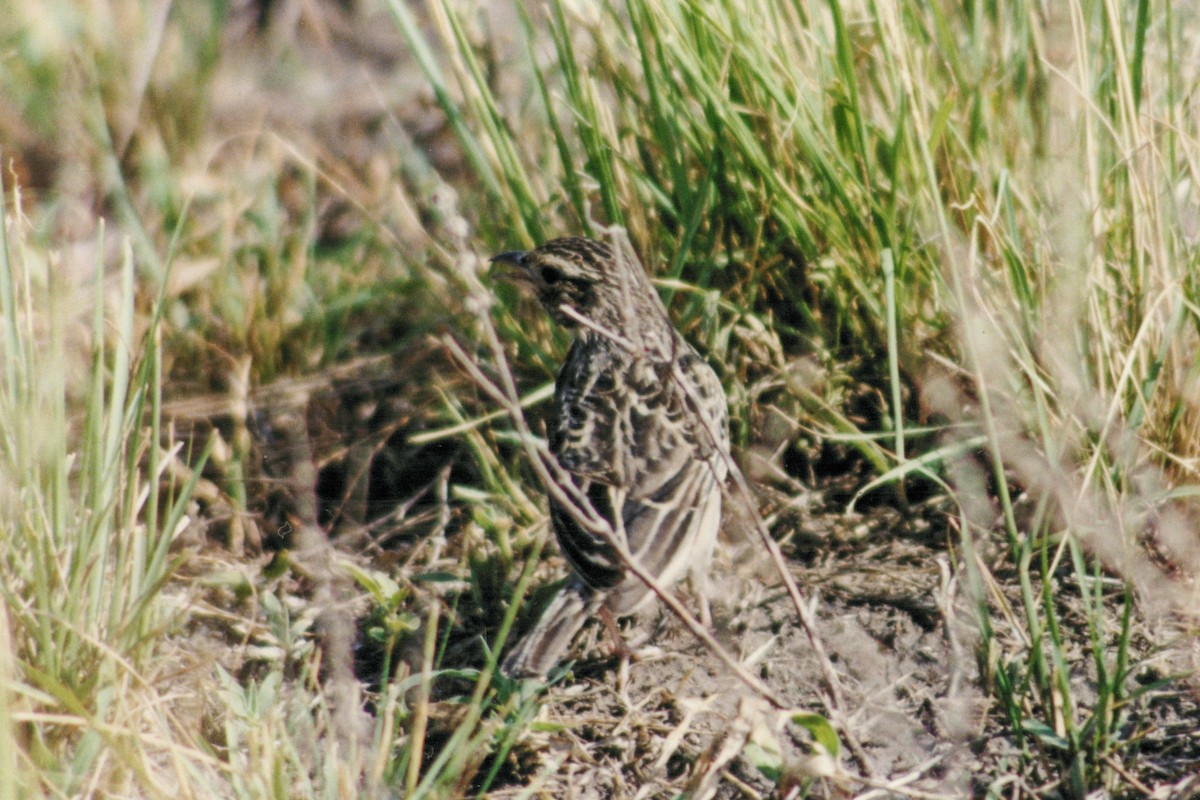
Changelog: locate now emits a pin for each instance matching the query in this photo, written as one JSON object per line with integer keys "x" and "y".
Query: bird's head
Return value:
{"x": 574, "y": 273}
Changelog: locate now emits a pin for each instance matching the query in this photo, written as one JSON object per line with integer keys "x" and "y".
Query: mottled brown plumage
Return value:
{"x": 640, "y": 424}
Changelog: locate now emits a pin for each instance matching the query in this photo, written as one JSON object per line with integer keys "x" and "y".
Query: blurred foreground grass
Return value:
{"x": 948, "y": 247}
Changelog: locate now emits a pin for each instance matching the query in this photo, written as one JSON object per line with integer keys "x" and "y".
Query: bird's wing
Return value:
{"x": 587, "y": 401}
{"x": 624, "y": 420}
{"x": 634, "y": 439}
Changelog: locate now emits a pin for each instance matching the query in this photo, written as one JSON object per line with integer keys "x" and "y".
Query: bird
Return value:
{"x": 639, "y": 425}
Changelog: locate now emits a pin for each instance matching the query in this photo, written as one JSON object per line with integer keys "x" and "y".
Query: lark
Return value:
{"x": 639, "y": 424}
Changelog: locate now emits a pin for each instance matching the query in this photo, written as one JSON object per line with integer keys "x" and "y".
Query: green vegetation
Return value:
{"x": 948, "y": 247}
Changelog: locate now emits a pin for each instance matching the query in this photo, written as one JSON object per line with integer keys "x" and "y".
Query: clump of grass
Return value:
{"x": 89, "y": 512}
{"x": 111, "y": 682}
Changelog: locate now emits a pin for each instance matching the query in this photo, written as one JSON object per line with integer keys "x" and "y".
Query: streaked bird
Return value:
{"x": 639, "y": 424}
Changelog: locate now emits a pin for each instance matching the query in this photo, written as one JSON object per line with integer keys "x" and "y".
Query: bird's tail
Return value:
{"x": 544, "y": 646}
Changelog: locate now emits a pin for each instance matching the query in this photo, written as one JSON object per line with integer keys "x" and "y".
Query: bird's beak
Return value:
{"x": 517, "y": 259}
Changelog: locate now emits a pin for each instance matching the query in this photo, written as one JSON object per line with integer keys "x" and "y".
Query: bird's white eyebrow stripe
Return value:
{"x": 566, "y": 266}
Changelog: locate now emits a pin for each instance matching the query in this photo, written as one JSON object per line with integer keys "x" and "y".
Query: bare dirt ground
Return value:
{"x": 898, "y": 628}
{"x": 910, "y": 689}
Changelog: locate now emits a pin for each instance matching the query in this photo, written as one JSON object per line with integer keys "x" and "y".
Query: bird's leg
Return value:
{"x": 699, "y": 584}
{"x": 620, "y": 649}
{"x": 610, "y": 624}
{"x": 705, "y": 608}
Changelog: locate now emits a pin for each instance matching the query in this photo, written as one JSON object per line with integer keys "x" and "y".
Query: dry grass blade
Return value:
{"x": 725, "y": 749}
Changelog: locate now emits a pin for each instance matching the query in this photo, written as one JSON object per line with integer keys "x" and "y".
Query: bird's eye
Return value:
{"x": 551, "y": 274}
